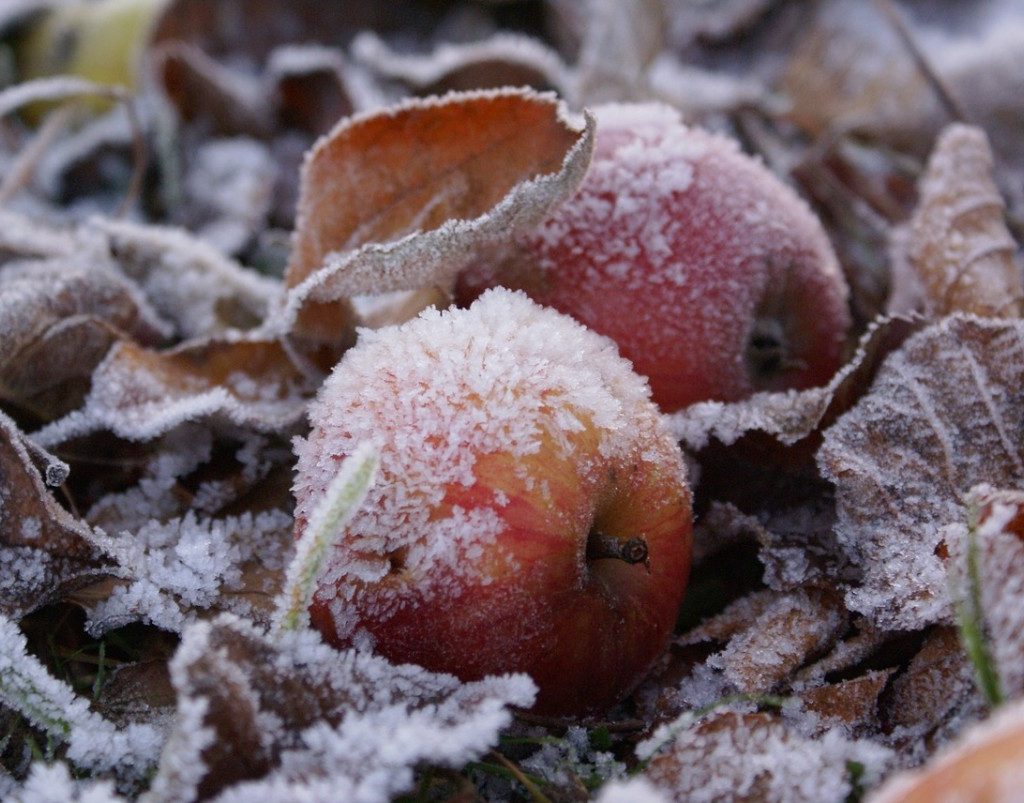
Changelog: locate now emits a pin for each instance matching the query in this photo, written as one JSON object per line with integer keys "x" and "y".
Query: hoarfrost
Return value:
{"x": 293, "y": 719}
{"x": 53, "y": 784}
{"x": 943, "y": 414}
{"x": 93, "y": 743}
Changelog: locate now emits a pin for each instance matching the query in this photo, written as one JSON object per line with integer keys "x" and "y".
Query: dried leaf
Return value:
{"x": 936, "y": 689}
{"x": 258, "y": 717}
{"x": 755, "y": 756}
{"x": 621, "y": 39}
{"x": 187, "y": 280}
{"x": 958, "y": 245}
{"x": 311, "y": 88}
{"x": 500, "y": 60}
{"x": 140, "y": 394}
{"x": 59, "y": 319}
{"x": 982, "y": 765}
{"x": 44, "y": 551}
{"x": 404, "y": 198}
{"x": 779, "y": 639}
{"x": 852, "y": 704}
{"x": 943, "y": 415}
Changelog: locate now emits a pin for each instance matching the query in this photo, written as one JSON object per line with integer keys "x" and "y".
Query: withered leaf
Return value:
{"x": 958, "y": 245}
{"x": 851, "y": 703}
{"x": 500, "y": 60}
{"x": 751, "y": 756}
{"x": 936, "y": 687}
{"x": 258, "y": 716}
{"x": 59, "y": 319}
{"x": 140, "y": 394}
{"x": 403, "y": 198}
{"x": 44, "y": 551}
{"x": 187, "y": 280}
{"x": 983, "y": 764}
{"x": 944, "y": 414}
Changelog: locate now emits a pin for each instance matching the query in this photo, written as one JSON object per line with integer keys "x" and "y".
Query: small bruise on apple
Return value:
{"x": 715, "y": 279}
{"x": 532, "y": 512}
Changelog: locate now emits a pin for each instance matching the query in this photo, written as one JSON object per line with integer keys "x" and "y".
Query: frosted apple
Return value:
{"x": 531, "y": 513}
{"x": 712, "y": 276}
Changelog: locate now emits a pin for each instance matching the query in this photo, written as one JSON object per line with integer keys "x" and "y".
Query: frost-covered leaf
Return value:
{"x": 944, "y": 414}
{"x": 770, "y": 635}
{"x": 188, "y": 281}
{"x": 141, "y": 394}
{"x": 935, "y": 694}
{"x": 958, "y": 246}
{"x": 44, "y": 551}
{"x": 852, "y": 704}
{"x": 501, "y": 60}
{"x": 983, "y": 764}
{"x": 621, "y": 39}
{"x": 93, "y": 743}
{"x": 293, "y": 719}
{"x": 53, "y": 783}
{"x": 310, "y": 84}
{"x": 59, "y": 318}
{"x": 755, "y": 756}
{"x": 404, "y": 198}
{"x": 716, "y": 21}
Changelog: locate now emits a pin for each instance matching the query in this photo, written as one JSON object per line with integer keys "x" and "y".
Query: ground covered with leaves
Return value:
{"x": 183, "y": 262}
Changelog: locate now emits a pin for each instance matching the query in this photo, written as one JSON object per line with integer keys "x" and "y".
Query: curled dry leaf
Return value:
{"x": 402, "y": 199}
{"x": 957, "y": 247}
{"x": 751, "y": 756}
{"x": 44, "y": 551}
{"x": 983, "y": 764}
{"x": 943, "y": 415}
{"x": 139, "y": 394}
{"x": 500, "y": 60}
{"x": 266, "y": 719}
{"x": 621, "y": 39}
{"x": 770, "y": 635}
{"x": 59, "y": 318}
{"x": 851, "y": 704}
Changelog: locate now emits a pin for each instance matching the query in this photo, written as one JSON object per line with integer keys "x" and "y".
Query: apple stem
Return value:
{"x": 629, "y": 550}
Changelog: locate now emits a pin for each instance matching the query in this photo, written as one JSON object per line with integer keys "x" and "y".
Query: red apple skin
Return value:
{"x": 527, "y": 599}
{"x": 713, "y": 277}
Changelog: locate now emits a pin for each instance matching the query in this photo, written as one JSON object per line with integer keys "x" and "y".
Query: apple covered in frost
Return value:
{"x": 531, "y": 512}
{"x": 713, "y": 276}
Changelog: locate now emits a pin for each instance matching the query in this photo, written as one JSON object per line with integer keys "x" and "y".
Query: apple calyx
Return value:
{"x": 628, "y": 550}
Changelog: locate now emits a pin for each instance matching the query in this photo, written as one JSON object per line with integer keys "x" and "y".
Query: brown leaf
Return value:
{"x": 754, "y": 757}
{"x": 403, "y": 198}
{"x": 851, "y": 703}
{"x": 943, "y": 415}
{"x": 44, "y": 551}
{"x": 59, "y": 319}
{"x": 501, "y": 60}
{"x": 294, "y": 711}
{"x": 982, "y": 765}
{"x": 140, "y": 394}
{"x": 936, "y": 687}
{"x": 958, "y": 245}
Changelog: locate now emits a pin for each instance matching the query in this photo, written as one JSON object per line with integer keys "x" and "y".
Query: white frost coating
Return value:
{"x": 505, "y": 376}
{"x": 436, "y": 256}
{"x": 52, "y": 783}
{"x": 376, "y": 721}
{"x": 94, "y": 743}
{"x": 188, "y": 563}
{"x": 186, "y": 279}
{"x": 733, "y": 755}
{"x": 635, "y": 790}
{"x": 942, "y": 416}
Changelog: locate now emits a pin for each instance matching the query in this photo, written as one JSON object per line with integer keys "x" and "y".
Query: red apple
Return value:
{"x": 712, "y": 276}
{"x": 531, "y": 514}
